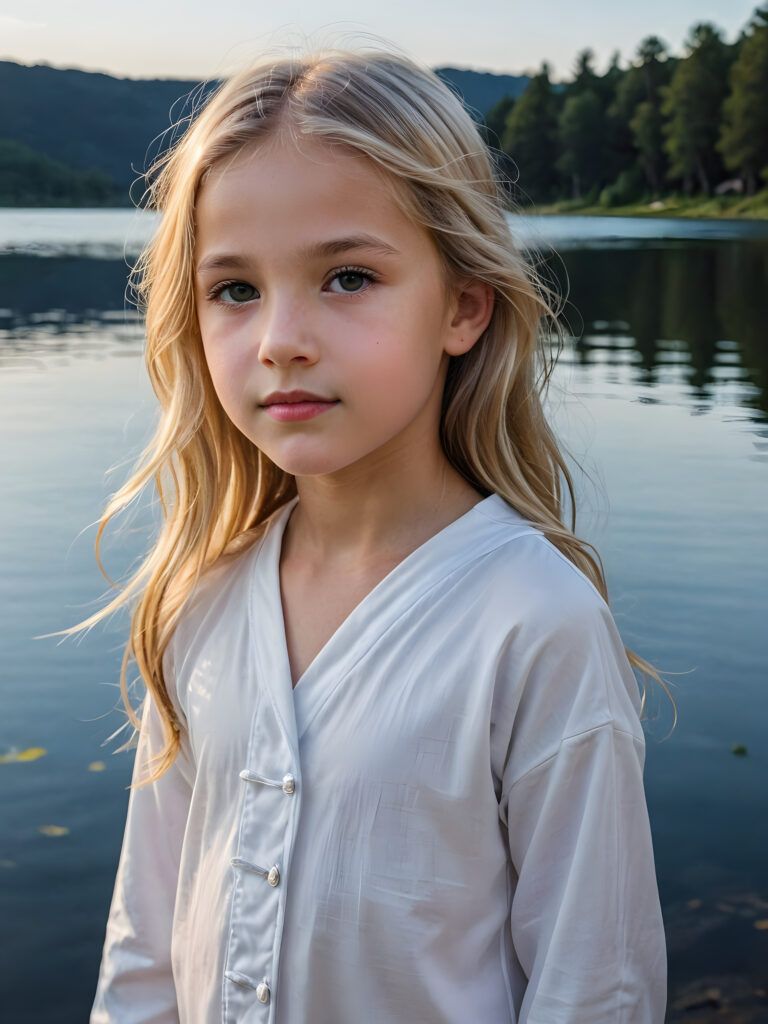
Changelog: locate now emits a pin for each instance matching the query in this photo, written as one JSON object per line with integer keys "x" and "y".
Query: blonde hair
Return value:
{"x": 215, "y": 487}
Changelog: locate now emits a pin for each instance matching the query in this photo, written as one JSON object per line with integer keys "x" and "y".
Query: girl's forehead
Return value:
{"x": 282, "y": 151}
{"x": 282, "y": 179}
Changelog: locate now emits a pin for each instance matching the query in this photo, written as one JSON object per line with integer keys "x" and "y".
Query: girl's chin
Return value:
{"x": 306, "y": 465}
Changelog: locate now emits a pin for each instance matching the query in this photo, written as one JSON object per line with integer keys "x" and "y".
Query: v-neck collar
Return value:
{"x": 432, "y": 560}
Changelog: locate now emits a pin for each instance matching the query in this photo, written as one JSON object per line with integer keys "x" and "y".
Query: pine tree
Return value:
{"x": 496, "y": 119}
{"x": 744, "y": 137}
{"x": 646, "y": 120}
{"x": 530, "y": 136}
{"x": 692, "y": 105}
{"x": 585, "y": 78}
{"x": 623, "y": 93}
{"x": 581, "y": 130}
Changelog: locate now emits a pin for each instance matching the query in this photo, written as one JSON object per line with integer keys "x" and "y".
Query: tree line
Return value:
{"x": 29, "y": 178}
{"x": 693, "y": 124}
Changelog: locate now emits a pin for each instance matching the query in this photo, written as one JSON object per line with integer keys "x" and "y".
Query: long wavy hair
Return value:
{"x": 215, "y": 487}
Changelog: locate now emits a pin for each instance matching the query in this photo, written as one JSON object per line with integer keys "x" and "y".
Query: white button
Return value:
{"x": 289, "y": 784}
{"x": 262, "y": 992}
{"x": 274, "y": 875}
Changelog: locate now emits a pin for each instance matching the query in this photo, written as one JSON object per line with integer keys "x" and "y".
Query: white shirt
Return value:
{"x": 443, "y": 823}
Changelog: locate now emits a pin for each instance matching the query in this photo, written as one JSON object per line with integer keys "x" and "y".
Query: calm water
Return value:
{"x": 661, "y": 396}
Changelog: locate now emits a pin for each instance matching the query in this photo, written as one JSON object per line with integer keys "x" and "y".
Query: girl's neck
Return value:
{"x": 344, "y": 526}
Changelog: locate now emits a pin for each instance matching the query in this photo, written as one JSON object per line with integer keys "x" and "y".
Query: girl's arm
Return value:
{"x": 135, "y": 984}
{"x": 585, "y": 920}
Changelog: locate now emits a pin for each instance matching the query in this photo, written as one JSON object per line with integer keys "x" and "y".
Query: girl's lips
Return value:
{"x": 292, "y": 411}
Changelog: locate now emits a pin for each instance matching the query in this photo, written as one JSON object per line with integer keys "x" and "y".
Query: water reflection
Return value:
{"x": 678, "y": 312}
{"x": 64, "y": 306}
{"x": 688, "y": 313}
{"x": 663, "y": 332}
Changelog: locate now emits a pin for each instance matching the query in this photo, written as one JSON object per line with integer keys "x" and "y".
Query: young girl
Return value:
{"x": 389, "y": 767}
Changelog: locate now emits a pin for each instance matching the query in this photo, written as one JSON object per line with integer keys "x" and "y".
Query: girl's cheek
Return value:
{"x": 226, "y": 375}
{"x": 225, "y": 354}
{"x": 218, "y": 366}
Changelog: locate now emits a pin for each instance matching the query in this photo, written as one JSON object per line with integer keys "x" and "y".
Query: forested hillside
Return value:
{"x": 695, "y": 124}
{"x": 86, "y": 121}
{"x": 78, "y": 137}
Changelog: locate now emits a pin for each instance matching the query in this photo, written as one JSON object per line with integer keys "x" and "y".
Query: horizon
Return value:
{"x": 499, "y": 41}
{"x": 173, "y": 78}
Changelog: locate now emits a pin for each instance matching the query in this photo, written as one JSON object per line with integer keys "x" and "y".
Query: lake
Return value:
{"x": 660, "y": 394}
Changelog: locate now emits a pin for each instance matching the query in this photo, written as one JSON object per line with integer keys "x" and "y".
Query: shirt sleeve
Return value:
{"x": 135, "y": 984}
{"x": 585, "y": 917}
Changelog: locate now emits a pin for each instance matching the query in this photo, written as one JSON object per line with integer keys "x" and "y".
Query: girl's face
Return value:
{"x": 309, "y": 277}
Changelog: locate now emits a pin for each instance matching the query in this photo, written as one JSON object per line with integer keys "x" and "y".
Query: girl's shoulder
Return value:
{"x": 561, "y": 664}
{"x": 529, "y": 573}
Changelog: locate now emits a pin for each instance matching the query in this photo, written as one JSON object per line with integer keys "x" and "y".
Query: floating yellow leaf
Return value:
{"x": 54, "y": 830}
{"x": 694, "y": 904}
{"x": 96, "y": 766}
{"x": 761, "y": 925}
{"x": 31, "y": 754}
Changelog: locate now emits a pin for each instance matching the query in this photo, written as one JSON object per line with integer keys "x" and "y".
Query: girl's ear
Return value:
{"x": 472, "y": 309}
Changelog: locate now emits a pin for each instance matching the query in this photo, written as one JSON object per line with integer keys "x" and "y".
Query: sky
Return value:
{"x": 204, "y": 39}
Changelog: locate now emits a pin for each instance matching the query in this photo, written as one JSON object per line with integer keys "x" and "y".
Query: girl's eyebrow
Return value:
{"x": 370, "y": 243}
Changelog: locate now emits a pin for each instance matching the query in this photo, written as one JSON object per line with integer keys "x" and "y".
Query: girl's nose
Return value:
{"x": 285, "y": 332}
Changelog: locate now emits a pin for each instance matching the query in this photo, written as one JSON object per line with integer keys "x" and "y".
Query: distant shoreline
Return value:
{"x": 693, "y": 207}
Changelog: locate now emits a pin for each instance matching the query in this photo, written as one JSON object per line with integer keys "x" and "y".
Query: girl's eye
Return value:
{"x": 233, "y": 293}
{"x": 351, "y": 280}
